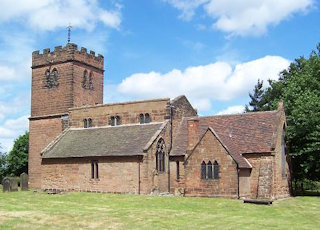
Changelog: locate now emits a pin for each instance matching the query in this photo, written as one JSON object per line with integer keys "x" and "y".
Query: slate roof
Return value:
{"x": 240, "y": 133}
{"x": 124, "y": 140}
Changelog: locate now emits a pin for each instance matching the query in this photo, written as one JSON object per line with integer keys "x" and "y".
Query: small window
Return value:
{"x": 209, "y": 168}
{"x": 112, "y": 121}
{"x": 85, "y": 123}
{"x": 147, "y": 118}
{"x": 94, "y": 170}
{"x": 203, "y": 170}
{"x": 54, "y": 77}
{"x": 178, "y": 170}
{"x": 48, "y": 79}
{"x": 141, "y": 117}
{"x": 97, "y": 170}
{"x": 215, "y": 170}
{"x": 160, "y": 155}
{"x": 117, "y": 120}
{"x": 89, "y": 122}
{"x": 84, "y": 80}
{"x": 90, "y": 81}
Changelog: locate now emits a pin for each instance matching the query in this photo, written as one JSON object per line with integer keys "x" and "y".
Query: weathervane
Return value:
{"x": 69, "y": 32}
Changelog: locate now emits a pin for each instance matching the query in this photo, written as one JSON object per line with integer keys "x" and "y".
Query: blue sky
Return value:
{"x": 213, "y": 51}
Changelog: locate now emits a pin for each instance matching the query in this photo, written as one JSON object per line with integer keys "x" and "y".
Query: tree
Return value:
{"x": 299, "y": 88}
{"x": 256, "y": 98}
{"x": 3, "y": 161}
{"x": 18, "y": 156}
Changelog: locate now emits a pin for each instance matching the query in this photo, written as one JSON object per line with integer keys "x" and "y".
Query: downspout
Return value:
{"x": 238, "y": 175}
{"x": 139, "y": 179}
{"x": 171, "y": 138}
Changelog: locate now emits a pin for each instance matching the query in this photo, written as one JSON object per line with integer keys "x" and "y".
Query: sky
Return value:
{"x": 212, "y": 51}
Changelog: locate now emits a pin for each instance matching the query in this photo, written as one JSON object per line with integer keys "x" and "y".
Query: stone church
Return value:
{"x": 77, "y": 143}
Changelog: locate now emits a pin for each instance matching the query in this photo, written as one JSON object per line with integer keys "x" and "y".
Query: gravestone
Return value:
{"x": 6, "y": 185}
{"x": 14, "y": 184}
{"x": 24, "y": 181}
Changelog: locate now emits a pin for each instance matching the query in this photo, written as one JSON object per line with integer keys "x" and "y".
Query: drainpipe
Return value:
{"x": 171, "y": 138}
{"x": 238, "y": 172}
{"x": 139, "y": 176}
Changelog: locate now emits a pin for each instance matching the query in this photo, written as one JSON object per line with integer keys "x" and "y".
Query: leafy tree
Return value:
{"x": 3, "y": 161}
{"x": 299, "y": 88}
{"x": 18, "y": 156}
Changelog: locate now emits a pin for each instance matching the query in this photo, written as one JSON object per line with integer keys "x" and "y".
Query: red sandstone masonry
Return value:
{"x": 209, "y": 148}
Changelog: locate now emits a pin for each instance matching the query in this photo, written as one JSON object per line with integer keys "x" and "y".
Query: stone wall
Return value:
{"x": 116, "y": 174}
{"x": 41, "y": 133}
{"x": 209, "y": 148}
{"x": 128, "y": 112}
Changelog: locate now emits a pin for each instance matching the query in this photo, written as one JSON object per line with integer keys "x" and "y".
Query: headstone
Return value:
{"x": 14, "y": 184}
{"x": 6, "y": 184}
{"x": 24, "y": 181}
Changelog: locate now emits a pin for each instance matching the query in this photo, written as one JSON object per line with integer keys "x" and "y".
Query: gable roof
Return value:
{"x": 124, "y": 140}
{"x": 240, "y": 133}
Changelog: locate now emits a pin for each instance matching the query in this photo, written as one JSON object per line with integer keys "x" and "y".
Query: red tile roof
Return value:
{"x": 240, "y": 133}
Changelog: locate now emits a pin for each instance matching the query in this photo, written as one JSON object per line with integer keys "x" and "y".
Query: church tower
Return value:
{"x": 61, "y": 79}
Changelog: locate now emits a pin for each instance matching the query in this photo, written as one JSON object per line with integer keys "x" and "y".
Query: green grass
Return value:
{"x": 34, "y": 210}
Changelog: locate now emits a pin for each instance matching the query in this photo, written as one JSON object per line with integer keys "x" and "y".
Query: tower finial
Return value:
{"x": 69, "y": 32}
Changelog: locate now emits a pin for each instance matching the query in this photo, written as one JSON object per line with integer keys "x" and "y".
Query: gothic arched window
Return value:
{"x": 89, "y": 122}
{"x": 84, "y": 79}
{"x": 54, "y": 77}
{"x": 90, "y": 81}
{"x": 48, "y": 78}
{"x": 209, "y": 168}
{"x": 203, "y": 170}
{"x": 112, "y": 121}
{"x": 160, "y": 155}
{"x": 215, "y": 170}
{"x": 141, "y": 118}
{"x": 147, "y": 118}
{"x": 117, "y": 120}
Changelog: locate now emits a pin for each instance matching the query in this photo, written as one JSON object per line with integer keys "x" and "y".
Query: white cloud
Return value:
{"x": 52, "y": 14}
{"x": 12, "y": 129}
{"x": 202, "y": 84}
{"x": 246, "y": 17}
{"x": 232, "y": 110}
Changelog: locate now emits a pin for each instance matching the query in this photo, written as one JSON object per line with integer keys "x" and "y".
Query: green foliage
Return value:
{"x": 18, "y": 156}
{"x": 257, "y": 102}
{"x": 299, "y": 88}
{"x": 3, "y": 162}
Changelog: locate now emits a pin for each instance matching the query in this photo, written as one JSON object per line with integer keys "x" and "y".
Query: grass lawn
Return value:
{"x": 31, "y": 210}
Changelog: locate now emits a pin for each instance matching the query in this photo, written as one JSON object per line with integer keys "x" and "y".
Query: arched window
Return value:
{"x": 147, "y": 118}
{"x": 215, "y": 170}
{"x": 85, "y": 123}
{"x": 203, "y": 170}
{"x": 160, "y": 155}
{"x": 48, "y": 79}
{"x": 141, "y": 117}
{"x": 84, "y": 79}
{"x": 54, "y": 77}
{"x": 90, "y": 81}
{"x": 209, "y": 168}
{"x": 89, "y": 122}
{"x": 112, "y": 121}
{"x": 117, "y": 120}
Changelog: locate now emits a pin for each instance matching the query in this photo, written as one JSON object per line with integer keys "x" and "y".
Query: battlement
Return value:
{"x": 67, "y": 53}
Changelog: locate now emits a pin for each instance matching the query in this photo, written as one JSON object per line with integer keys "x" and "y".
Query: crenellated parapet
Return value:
{"x": 68, "y": 53}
